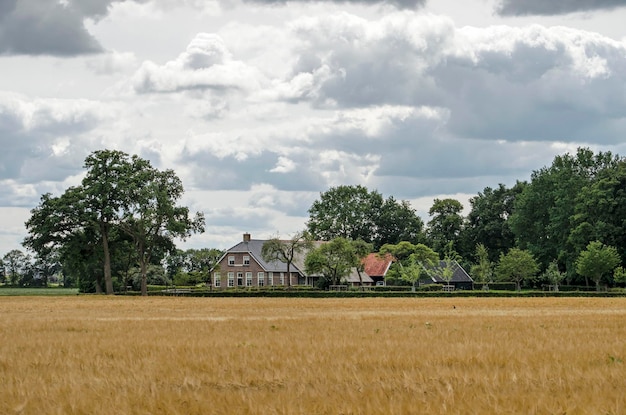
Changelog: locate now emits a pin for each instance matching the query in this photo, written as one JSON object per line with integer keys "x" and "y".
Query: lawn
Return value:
{"x": 121, "y": 355}
{"x": 37, "y": 291}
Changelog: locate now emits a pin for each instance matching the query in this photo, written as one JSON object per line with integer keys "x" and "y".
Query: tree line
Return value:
{"x": 533, "y": 232}
{"x": 117, "y": 228}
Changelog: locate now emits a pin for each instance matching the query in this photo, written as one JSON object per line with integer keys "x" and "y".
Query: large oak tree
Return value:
{"x": 119, "y": 194}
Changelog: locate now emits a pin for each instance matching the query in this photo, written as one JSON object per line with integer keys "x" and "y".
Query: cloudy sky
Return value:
{"x": 261, "y": 105}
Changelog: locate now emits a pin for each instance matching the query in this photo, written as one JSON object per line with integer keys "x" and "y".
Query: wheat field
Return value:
{"x": 116, "y": 355}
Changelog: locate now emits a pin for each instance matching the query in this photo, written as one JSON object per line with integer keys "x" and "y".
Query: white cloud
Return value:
{"x": 284, "y": 165}
{"x": 112, "y": 63}
{"x": 206, "y": 64}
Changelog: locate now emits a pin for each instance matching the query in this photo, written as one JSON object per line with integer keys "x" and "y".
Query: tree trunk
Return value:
{"x": 108, "y": 281}
{"x": 144, "y": 275}
{"x": 288, "y": 275}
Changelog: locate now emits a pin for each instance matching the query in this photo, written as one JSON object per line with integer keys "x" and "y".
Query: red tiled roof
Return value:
{"x": 376, "y": 266}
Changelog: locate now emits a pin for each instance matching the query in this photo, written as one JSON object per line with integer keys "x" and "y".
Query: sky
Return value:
{"x": 261, "y": 105}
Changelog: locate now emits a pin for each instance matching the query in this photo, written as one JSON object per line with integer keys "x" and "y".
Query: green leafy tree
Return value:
{"x": 95, "y": 204}
{"x": 103, "y": 194}
{"x": 155, "y": 275}
{"x": 175, "y": 262}
{"x": 202, "y": 261}
{"x": 517, "y": 265}
{"x": 418, "y": 263}
{"x": 276, "y": 249}
{"x": 400, "y": 251}
{"x": 354, "y": 212}
{"x": 449, "y": 262}
{"x": 445, "y": 224}
{"x": 3, "y": 274}
{"x": 81, "y": 261}
{"x": 45, "y": 268}
{"x": 16, "y": 264}
{"x": 483, "y": 269}
{"x": 397, "y": 221}
{"x": 345, "y": 211}
{"x": 542, "y": 217}
{"x": 85, "y": 223}
{"x": 58, "y": 221}
{"x": 600, "y": 209}
{"x": 151, "y": 217}
{"x": 619, "y": 275}
{"x": 334, "y": 260}
{"x": 553, "y": 275}
{"x": 361, "y": 249}
{"x": 194, "y": 265}
{"x": 597, "y": 260}
{"x": 488, "y": 221}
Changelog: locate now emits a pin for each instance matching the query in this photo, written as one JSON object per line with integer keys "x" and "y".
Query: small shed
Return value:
{"x": 460, "y": 280}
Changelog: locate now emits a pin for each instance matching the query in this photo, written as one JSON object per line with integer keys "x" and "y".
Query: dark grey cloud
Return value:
{"x": 49, "y": 27}
{"x": 554, "y": 7}
{"x": 249, "y": 219}
{"x": 43, "y": 142}
{"x": 535, "y": 83}
{"x": 229, "y": 173}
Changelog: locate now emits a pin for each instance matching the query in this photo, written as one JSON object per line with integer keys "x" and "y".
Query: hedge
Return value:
{"x": 243, "y": 293}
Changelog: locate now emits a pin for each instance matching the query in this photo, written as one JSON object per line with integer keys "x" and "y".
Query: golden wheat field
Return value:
{"x": 116, "y": 355}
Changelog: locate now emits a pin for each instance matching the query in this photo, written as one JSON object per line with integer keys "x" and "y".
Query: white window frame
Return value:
{"x": 270, "y": 278}
{"x": 248, "y": 279}
{"x": 260, "y": 279}
{"x": 231, "y": 279}
{"x": 217, "y": 279}
{"x": 246, "y": 260}
{"x": 231, "y": 260}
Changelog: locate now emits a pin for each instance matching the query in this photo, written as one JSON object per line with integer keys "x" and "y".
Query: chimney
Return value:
{"x": 246, "y": 237}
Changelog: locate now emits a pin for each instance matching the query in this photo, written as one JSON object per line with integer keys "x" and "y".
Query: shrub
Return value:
{"x": 430, "y": 287}
{"x": 504, "y": 286}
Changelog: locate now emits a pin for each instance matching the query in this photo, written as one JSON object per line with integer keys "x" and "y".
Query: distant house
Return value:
{"x": 461, "y": 280}
{"x": 376, "y": 267}
{"x": 242, "y": 266}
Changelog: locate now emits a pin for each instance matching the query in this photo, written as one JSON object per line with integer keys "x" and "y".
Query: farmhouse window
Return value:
{"x": 231, "y": 279}
{"x": 260, "y": 279}
{"x": 217, "y": 280}
{"x": 246, "y": 260}
{"x": 231, "y": 260}
{"x": 240, "y": 279}
{"x": 270, "y": 278}
{"x": 248, "y": 279}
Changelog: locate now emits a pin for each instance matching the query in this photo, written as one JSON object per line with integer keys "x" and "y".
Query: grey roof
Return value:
{"x": 254, "y": 247}
{"x": 459, "y": 274}
{"x": 353, "y": 277}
